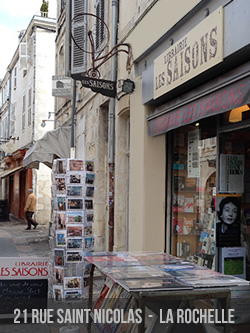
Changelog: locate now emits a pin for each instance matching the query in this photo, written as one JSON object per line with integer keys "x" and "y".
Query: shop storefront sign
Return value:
{"x": 227, "y": 98}
{"x": 104, "y": 87}
{"x": 197, "y": 51}
{"x": 24, "y": 268}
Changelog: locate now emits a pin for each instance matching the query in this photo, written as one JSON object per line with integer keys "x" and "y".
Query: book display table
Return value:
{"x": 137, "y": 280}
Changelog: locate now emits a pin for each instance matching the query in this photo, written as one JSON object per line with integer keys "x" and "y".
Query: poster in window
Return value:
{"x": 193, "y": 166}
{"x": 231, "y": 173}
{"x": 227, "y": 221}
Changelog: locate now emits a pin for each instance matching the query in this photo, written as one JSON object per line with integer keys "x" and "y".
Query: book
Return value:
{"x": 178, "y": 225}
{"x": 178, "y": 203}
{"x": 188, "y": 226}
{"x": 179, "y": 183}
{"x": 188, "y": 205}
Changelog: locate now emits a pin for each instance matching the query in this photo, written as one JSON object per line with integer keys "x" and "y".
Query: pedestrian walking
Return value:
{"x": 30, "y": 208}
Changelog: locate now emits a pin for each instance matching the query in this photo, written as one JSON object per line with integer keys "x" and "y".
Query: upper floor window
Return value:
{"x": 100, "y": 28}
{"x": 23, "y": 112}
{"x": 29, "y": 106}
{"x": 15, "y": 78}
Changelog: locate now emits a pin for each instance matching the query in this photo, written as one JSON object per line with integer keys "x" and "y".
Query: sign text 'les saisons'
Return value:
{"x": 197, "y": 51}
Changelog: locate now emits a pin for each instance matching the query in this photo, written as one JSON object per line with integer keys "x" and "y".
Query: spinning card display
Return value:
{"x": 71, "y": 227}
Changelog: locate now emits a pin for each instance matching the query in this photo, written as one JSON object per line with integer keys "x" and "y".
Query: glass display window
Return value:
{"x": 193, "y": 192}
{"x": 235, "y": 183}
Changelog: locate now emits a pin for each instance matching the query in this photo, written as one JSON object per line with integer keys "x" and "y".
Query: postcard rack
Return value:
{"x": 154, "y": 276}
{"x": 71, "y": 227}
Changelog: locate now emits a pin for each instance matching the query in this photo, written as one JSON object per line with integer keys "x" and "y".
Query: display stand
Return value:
{"x": 126, "y": 271}
{"x": 71, "y": 229}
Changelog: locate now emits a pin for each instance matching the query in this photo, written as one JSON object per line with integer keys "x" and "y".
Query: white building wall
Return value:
{"x": 38, "y": 77}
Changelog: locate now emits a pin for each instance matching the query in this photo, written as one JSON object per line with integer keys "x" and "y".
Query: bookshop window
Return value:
{"x": 235, "y": 182}
{"x": 194, "y": 190}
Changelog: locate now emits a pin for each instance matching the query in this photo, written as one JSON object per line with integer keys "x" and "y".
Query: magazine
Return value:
{"x": 127, "y": 326}
{"x": 103, "y": 294}
{"x": 133, "y": 272}
{"x": 165, "y": 283}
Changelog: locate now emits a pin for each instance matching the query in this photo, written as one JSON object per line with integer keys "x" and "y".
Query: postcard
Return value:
{"x": 75, "y": 178}
{"x": 89, "y": 216}
{"x": 75, "y": 216}
{"x": 73, "y": 257}
{"x": 59, "y": 257}
{"x": 75, "y": 165}
{"x": 73, "y": 295}
{"x": 58, "y": 274}
{"x": 61, "y": 202}
{"x": 60, "y": 220}
{"x": 74, "y": 230}
{"x": 59, "y": 166}
{"x": 89, "y": 242}
{"x": 74, "y": 190}
{"x": 60, "y": 238}
{"x": 89, "y": 165}
{"x": 88, "y": 230}
{"x": 89, "y": 191}
{"x": 72, "y": 282}
{"x": 60, "y": 184}
{"x": 58, "y": 293}
{"x": 89, "y": 204}
{"x": 90, "y": 178}
{"x": 75, "y": 204}
{"x": 75, "y": 243}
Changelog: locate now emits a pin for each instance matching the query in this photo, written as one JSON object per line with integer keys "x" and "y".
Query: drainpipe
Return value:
{"x": 111, "y": 148}
{"x": 72, "y": 146}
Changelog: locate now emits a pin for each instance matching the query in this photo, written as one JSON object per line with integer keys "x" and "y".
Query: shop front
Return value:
{"x": 207, "y": 128}
{"x": 208, "y": 144}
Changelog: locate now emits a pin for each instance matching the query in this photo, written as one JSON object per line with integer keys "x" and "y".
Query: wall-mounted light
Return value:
{"x": 236, "y": 114}
{"x": 128, "y": 86}
{"x": 50, "y": 114}
{"x": 43, "y": 123}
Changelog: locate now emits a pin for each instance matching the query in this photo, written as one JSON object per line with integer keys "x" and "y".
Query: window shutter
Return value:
{"x": 100, "y": 34}
{"x": 23, "y": 55}
{"x": 79, "y": 32}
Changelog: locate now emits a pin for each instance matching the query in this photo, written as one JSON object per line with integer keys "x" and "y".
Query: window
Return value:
{"x": 23, "y": 112}
{"x": 193, "y": 193}
{"x": 29, "y": 106}
{"x": 14, "y": 78}
{"x": 100, "y": 29}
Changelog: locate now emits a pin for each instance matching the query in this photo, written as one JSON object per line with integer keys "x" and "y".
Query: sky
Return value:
{"x": 15, "y": 15}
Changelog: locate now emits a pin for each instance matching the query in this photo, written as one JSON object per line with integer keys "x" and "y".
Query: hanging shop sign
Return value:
{"x": 227, "y": 98}
{"x": 61, "y": 86}
{"x": 104, "y": 87}
{"x": 197, "y": 51}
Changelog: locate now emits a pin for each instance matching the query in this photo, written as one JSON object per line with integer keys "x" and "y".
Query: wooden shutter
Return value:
{"x": 79, "y": 32}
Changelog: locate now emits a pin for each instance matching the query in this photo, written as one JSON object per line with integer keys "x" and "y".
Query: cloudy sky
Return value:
{"x": 15, "y": 15}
